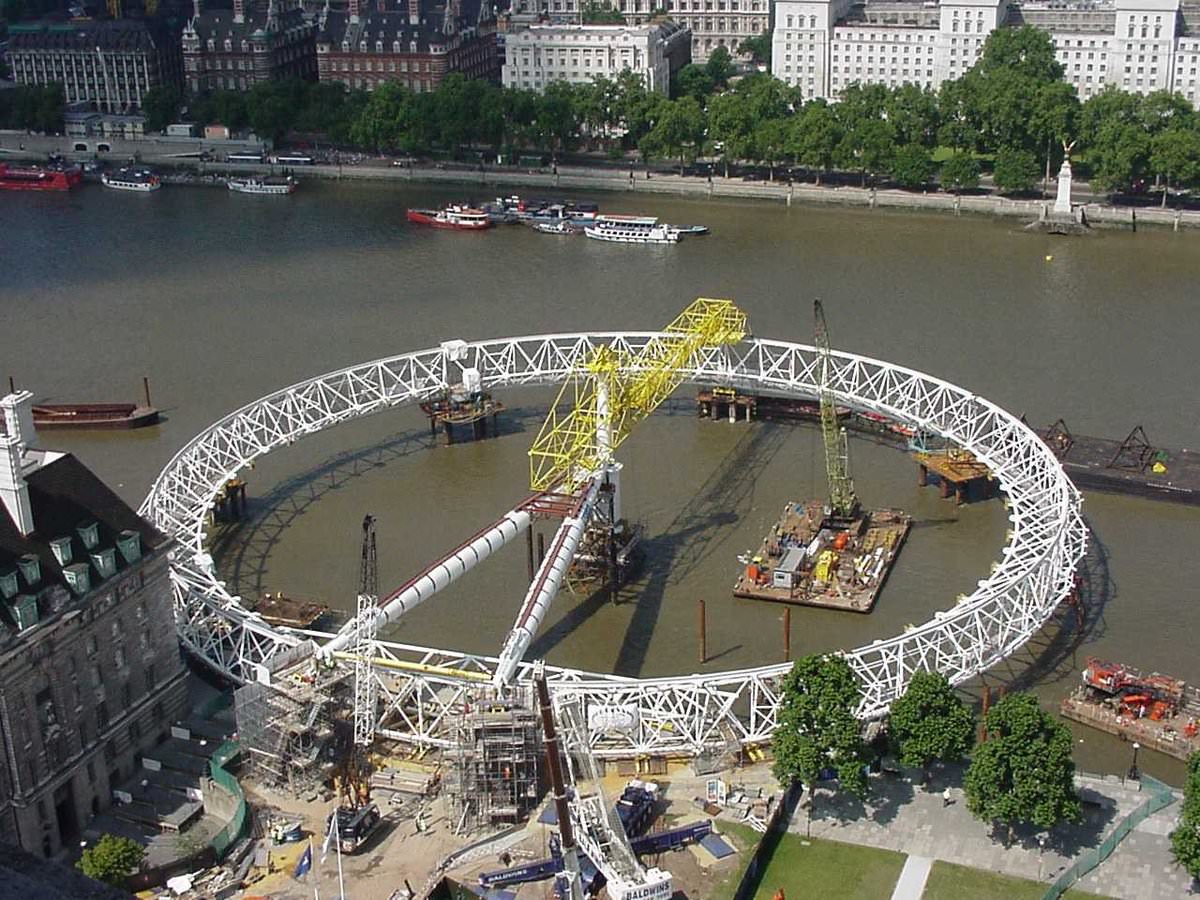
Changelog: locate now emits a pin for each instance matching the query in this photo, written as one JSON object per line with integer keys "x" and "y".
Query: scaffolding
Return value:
{"x": 493, "y": 776}
{"x": 288, "y": 725}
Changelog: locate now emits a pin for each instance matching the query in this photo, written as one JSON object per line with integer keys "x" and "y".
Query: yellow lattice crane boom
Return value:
{"x": 837, "y": 454}
{"x": 613, "y": 391}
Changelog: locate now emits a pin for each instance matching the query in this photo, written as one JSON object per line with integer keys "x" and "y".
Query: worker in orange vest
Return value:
{"x": 779, "y": 895}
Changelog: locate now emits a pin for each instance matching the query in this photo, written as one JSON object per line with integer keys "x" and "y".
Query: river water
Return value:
{"x": 221, "y": 298}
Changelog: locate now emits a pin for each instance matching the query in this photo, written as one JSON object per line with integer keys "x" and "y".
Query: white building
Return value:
{"x": 823, "y": 46}
{"x": 537, "y": 56}
{"x": 714, "y": 23}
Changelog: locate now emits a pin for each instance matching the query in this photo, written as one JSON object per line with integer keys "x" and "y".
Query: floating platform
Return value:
{"x": 1132, "y": 466}
{"x": 457, "y": 411}
{"x": 735, "y": 406}
{"x": 1157, "y": 711}
{"x": 101, "y": 416}
{"x": 809, "y": 559}
{"x": 288, "y": 612}
{"x": 956, "y": 472}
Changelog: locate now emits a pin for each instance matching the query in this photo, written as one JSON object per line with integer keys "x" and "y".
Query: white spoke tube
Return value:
{"x": 441, "y": 574}
{"x": 545, "y": 586}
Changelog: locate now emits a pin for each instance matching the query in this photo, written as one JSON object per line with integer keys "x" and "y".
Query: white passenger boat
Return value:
{"x": 631, "y": 230}
{"x": 141, "y": 180}
{"x": 262, "y": 185}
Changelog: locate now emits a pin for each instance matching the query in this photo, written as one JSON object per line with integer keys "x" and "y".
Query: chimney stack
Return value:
{"x": 196, "y": 9}
{"x": 18, "y": 433}
{"x": 239, "y": 11}
{"x": 355, "y": 9}
{"x": 414, "y": 12}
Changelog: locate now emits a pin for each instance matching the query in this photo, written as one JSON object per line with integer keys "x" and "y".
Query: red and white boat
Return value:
{"x": 36, "y": 178}
{"x": 459, "y": 218}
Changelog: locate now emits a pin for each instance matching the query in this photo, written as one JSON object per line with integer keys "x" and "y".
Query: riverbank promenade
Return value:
{"x": 914, "y": 819}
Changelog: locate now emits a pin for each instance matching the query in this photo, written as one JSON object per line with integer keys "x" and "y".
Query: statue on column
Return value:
{"x": 1062, "y": 202}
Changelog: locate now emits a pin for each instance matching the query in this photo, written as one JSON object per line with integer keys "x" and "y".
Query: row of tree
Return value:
{"x": 33, "y": 108}
{"x": 1022, "y": 773}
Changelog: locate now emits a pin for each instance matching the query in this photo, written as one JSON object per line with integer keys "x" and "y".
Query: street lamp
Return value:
{"x": 1133, "y": 769}
{"x": 1041, "y": 850}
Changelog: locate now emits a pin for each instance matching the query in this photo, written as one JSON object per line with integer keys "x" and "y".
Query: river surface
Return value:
{"x": 222, "y": 298}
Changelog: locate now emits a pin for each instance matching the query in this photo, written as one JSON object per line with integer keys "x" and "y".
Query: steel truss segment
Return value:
{"x": 1034, "y": 572}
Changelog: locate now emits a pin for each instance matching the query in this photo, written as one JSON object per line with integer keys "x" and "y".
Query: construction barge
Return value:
{"x": 1157, "y": 711}
{"x": 278, "y": 609}
{"x": 814, "y": 559}
{"x": 1132, "y": 466}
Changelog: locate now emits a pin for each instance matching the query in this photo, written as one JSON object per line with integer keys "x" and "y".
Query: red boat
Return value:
{"x": 93, "y": 415}
{"x": 35, "y": 178}
{"x": 459, "y": 218}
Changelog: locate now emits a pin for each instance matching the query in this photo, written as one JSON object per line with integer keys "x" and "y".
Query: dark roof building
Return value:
{"x": 108, "y": 64}
{"x": 256, "y": 41}
{"x": 90, "y": 671}
{"x": 417, "y": 44}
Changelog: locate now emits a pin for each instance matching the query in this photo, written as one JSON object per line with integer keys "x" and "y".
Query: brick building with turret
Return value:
{"x": 255, "y": 41}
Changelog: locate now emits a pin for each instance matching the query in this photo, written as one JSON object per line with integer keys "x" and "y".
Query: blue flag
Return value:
{"x": 305, "y": 863}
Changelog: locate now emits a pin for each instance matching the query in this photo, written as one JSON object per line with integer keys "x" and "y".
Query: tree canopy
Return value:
{"x": 1185, "y": 839}
{"x": 817, "y": 726}
{"x": 111, "y": 859}
{"x": 930, "y": 722}
{"x": 1023, "y": 772}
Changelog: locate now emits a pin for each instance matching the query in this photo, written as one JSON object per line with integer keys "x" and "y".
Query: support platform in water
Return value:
{"x": 457, "y": 411}
{"x": 810, "y": 559}
{"x": 1132, "y": 466}
{"x": 956, "y": 472}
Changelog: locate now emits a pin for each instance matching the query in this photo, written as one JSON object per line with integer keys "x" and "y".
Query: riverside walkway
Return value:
{"x": 910, "y": 818}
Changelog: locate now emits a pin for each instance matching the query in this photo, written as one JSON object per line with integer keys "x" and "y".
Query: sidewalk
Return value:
{"x": 911, "y": 818}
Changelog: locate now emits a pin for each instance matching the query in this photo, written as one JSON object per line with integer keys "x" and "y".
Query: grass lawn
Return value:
{"x": 823, "y": 869}
{"x": 950, "y": 882}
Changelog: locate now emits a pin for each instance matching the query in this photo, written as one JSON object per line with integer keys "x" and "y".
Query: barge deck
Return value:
{"x": 811, "y": 560}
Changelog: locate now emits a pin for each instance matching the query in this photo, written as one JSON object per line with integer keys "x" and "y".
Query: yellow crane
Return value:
{"x": 842, "y": 500}
{"x": 613, "y": 391}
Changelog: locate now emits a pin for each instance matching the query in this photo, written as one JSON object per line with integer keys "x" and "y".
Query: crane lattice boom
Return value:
{"x": 606, "y": 404}
{"x": 366, "y": 624}
{"x": 837, "y": 454}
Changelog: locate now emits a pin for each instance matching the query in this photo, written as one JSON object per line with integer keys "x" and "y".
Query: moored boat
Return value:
{"x": 93, "y": 415}
{"x": 38, "y": 178}
{"x": 631, "y": 230}
{"x": 269, "y": 185}
{"x": 691, "y": 229}
{"x": 454, "y": 217}
{"x": 560, "y": 227}
{"x": 139, "y": 180}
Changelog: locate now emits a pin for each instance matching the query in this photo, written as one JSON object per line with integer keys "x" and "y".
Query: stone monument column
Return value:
{"x": 1062, "y": 202}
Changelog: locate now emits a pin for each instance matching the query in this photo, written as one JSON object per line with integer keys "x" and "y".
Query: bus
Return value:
{"x": 293, "y": 160}
{"x": 244, "y": 158}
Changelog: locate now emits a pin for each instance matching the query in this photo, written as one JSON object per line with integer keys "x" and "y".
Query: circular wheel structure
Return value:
{"x": 424, "y": 689}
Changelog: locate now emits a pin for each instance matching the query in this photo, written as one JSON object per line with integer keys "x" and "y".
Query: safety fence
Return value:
{"x": 1160, "y": 797}
{"x": 239, "y": 823}
{"x": 776, "y": 827}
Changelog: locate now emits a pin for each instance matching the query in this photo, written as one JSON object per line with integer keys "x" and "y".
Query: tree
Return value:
{"x": 1185, "y": 839}
{"x": 1175, "y": 156}
{"x": 817, "y": 726}
{"x": 913, "y": 113}
{"x": 929, "y": 722}
{"x": 601, "y": 14}
{"x": 913, "y": 166}
{"x": 692, "y": 80}
{"x": 959, "y": 126}
{"x": 770, "y": 143}
{"x": 868, "y": 145}
{"x": 161, "y": 105}
{"x": 112, "y": 859}
{"x": 1015, "y": 171}
{"x": 1025, "y": 51}
{"x": 678, "y": 131}
{"x": 272, "y": 106}
{"x": 814, "y": 136}
{"x": 960, "y": 172}
{"x": 49, "y": 112}
{"x": 730, "y": 124}
{"x": 1023, "y": 773}
{"x": 720, "y": 67}
{"x": 758, "y": 48}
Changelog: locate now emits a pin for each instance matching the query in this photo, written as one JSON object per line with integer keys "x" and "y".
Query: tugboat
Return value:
{"x": 454, "y": 217}
{"x": 267, "y": 185}
{"x": 36, "y": 178}
{"x": 631, "y": 230}
{"x": 140, "y": 180}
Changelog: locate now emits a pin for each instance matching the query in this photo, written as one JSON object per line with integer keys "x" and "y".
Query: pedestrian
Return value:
{"x": 946, "y": 798}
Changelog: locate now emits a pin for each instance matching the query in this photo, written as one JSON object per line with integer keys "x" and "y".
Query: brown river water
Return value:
{"x": 222, "y": 298}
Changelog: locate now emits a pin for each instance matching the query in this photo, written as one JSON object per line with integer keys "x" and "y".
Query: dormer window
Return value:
{"x": 212, "y": 45}
{"x": 62, "y": 550}
{"x": 105, "y": 562}
{"x": 79, "y": 578}
{"x": 89, "y": 533}
{"x": 228, "y": 45}
{"x": 362, "y": 46}
{"x": 379, "y": 46}
{"x": 130, "y": 544}
{"x": 345, "y": 46}
{"x": 395, "y": 46}
{"x": 8, "y": 584}
{"x": 31, "y": 569}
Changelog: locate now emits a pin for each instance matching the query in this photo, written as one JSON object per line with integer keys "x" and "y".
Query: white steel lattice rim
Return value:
{"x": 1036, "y": 570}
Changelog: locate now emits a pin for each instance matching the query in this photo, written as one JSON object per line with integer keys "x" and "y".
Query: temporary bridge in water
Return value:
{"x": 421, "y": 689}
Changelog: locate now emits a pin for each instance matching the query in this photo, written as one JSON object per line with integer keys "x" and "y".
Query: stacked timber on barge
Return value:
{"x": 1132, "y": 466}
{"x": 809, "y": 559}
{"x": 1157, "y": 711}
{"x": 288, "y": 612}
